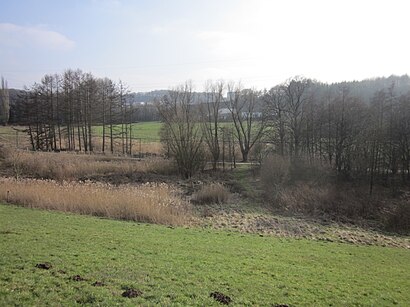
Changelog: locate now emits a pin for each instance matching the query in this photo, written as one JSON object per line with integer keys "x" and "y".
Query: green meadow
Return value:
{"x": 182, "y": 266}
{"x": 148, "y": 131}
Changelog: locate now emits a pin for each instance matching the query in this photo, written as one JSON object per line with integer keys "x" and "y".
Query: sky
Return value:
{"x": 159, "y": 44}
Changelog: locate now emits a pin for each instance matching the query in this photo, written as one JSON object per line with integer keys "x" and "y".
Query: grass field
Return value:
{"x": 179, "y": 266}
{"x": 148, "y": 131}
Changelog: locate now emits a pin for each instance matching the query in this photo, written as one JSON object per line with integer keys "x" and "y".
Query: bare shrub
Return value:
{"x": 212, "y": 193}
{"x": 274, "y": 173}
{"x": 337, "y": 201}
{"x": 155, "y": 203}
{"x": 304, "y": 170}
{"x": 69, "y": 166}
{"x": 398, "y": 219}
{"x": 301, "y": 198}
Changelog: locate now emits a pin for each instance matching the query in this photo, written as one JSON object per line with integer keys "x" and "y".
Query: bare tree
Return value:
{"x": 209, "y": 111}
{"x": 296, "y": 95}
{"x": 248, "y": 120}
{"x": 183, "y": 132}
{"x": 4, "y": 103}
{"x": 275, "y": 113}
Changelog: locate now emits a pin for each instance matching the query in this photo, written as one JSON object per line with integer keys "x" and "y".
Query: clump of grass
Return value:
{"x": 211, "y": 194}
{"x": 154, "y": 203}
{"x": 70, "y": 166}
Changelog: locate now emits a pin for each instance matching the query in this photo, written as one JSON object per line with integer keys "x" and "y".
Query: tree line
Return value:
{"x": 61, "y": 110}
{"x": 300, "y": 119}
{"x": 330, "y": 125}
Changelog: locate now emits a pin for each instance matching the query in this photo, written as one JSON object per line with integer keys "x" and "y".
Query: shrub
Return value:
{"x": 212, "y": 193}
{"x": 399, "y": 218}
{"x": 274, "y": 173}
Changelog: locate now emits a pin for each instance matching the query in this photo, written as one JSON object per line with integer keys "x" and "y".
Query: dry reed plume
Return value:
{"x": 154, "y": 203}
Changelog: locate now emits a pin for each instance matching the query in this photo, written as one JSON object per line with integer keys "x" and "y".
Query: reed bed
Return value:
{"x": 70, "y": 166}
{"x": 150, "y": 202}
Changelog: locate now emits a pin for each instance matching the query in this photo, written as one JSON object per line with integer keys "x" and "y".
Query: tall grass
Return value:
{"x": 154, "y": 203}
{"x": 70, "y": 166}
{"x": 212, "y": 193}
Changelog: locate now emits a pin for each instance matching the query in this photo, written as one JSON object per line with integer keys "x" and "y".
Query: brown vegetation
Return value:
{"x": 156, "y": 203}
{"x": 70, "y": 166}
{"x": 212, "y": 193}
{"x": 309, "y": 189}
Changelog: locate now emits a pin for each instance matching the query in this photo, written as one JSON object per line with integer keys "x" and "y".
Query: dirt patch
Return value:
{"x": 303, "y": 228}
{"x": 130, "y": 293}
{"x": 77, "y": 278}
{"x": 44, "y": 266}
{"x": 221, "y": 298}
{"x": 98, "y": 284}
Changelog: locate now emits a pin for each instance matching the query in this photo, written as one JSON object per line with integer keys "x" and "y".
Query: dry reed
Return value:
{"x": 212, "y": 193}
{"x": 154, "y": 203}
{"x": 70, "y": 166}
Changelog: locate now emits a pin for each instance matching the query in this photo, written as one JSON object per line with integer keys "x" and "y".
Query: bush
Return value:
{"x": 399, "y": 218}
{"x": 274, "y": 173}
{"x": 332, "y": 200}
{"x": 212, "y": 193}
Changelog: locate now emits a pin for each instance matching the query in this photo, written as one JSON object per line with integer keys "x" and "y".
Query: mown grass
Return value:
{"x": 178, "y": 266}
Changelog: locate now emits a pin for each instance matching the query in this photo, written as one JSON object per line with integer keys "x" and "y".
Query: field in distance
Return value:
{"x": 143, "y": 130}
{"x": 96, "y": 261}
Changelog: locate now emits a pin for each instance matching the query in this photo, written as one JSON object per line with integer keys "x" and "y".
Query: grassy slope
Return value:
{"x": 182, "y": 266}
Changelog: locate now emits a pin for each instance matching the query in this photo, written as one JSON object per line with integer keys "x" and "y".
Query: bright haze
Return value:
{"x": 159, "y": 44}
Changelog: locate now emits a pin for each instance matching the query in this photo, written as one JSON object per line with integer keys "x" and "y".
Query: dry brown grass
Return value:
{"x": 154, "y": 203}
{"x": 212, "y": 193}
{"x": 70, "y": 166}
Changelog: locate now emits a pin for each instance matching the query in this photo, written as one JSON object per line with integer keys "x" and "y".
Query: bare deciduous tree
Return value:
{"x": 296, "y": 94}
{"x": 183, "y": 132}
{"x": 248, "y": 120}
{"x": 276, "y": 117}
{"x": 209, "y": 111}
{"x": 4, "y": 102}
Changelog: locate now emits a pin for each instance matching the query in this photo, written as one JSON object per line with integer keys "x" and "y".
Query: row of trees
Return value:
{"x": 61, "y": 110}
{"x": 301, "y": 118}
{"x": 194, "y": 132}
{"x": 357, "y": 138}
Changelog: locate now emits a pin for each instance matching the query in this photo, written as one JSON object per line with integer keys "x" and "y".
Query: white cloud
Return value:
{"x": 12, "y": 35}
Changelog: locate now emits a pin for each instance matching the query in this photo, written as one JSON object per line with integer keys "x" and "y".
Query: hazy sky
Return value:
{"x": 157, "y": 44}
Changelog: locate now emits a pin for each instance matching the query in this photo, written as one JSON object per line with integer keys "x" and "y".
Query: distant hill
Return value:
{"x": 366, "y": 89}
